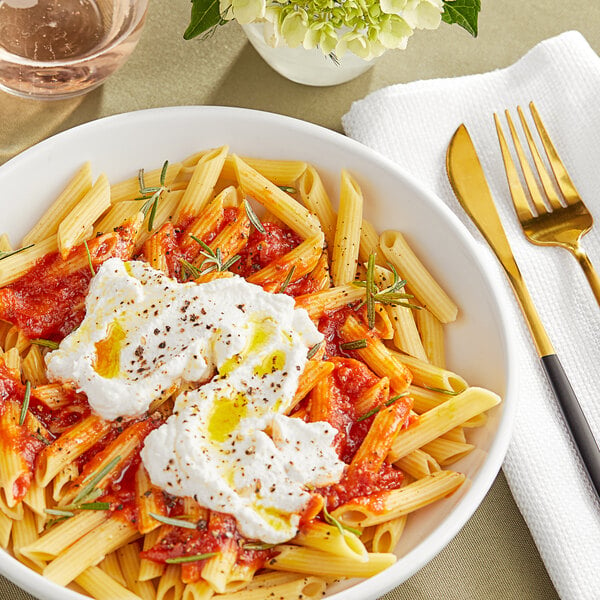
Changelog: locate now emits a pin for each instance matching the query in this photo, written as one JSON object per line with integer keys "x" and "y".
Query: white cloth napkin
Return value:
{"x": 412, "y": 124}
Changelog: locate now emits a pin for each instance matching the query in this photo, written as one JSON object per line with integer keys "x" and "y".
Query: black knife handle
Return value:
{"x": 580, "y": 429}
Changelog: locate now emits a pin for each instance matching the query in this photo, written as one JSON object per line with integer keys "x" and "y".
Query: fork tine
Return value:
{"x": 517, "y": 192}
{"x": 551, "y": 194}
{"x": 567, "y": 187}
{"x": 534, "y": 191}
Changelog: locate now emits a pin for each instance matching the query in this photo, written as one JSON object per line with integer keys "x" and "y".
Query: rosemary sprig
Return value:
{"x": 174, "y": 522}
{"x": 214, "y": 258}
{"x": 55, "y": 512}
{"x": 189, "y": 270}
{"x": 253, "y": 218}
{"x": 371, "y": 290}
{"x": 441, "y": 391}
{"x": 354, "y": 345}
{"x": 152, "y": 194}
{"x": 94, "y": 506}
{"x": 188, "y": 559}
{"x": 45, "y": 343}
{"x": 89, "y": 492}
{"x": 331, "y": 520}
{"x": 25, "y": 405}
{"x": 257, "y": 546}
{"x": 287, "y": 188}
{"x": 4, "y": 255}
{"x": 390, "y": 295}
{"x": 313, "y": 350}
{"x": 89, "y": 257}
{"x": 287, "y": 279}
{"x": 42, "y": 439}
{"x": 375, "y": 410}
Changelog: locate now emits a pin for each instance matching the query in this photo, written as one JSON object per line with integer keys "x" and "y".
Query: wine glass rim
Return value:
{"x": 140, "y": 8}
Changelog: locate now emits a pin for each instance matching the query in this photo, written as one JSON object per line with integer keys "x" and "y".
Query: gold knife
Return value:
{"x": 470, "y": 186}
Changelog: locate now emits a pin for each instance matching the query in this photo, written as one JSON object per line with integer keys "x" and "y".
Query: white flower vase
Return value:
{"x": 309, "y": 67}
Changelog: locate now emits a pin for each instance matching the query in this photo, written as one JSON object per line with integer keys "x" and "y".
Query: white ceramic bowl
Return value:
{"x": 478, "y": 343}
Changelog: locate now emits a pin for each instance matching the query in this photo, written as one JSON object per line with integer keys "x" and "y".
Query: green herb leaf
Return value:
{"x": 253, "y": 218}
{"x": 89, "y": 257}
{"x": 257, "y": 546}
{"x": 92, "y": 480}
{"x": 313, "y": 350}
{"x": 331, "y": 520}
{"x": 152, "y": 194}
{"x": 25, "y": 403}
{"x": 174, "y": 522}
{"x": 42, "y": 439}
{"x": 205, "y": 14}
{"x": 190, "y": 271}
{"x": 354, "y": 345}
{"x": 4, "y": 255}
{"x": 45, "y": 343}
{"x": 441, "y": 391}
{"x": 55, "y": 512}
{"x": 188, "y": 559}
{"x": 287, "y": 279}
{"x": 464, "y": 13}
{"x": 371, "y": 290}
{"x": 94, "y": 506}
{"x": 375, "y": 410}
{"x": 287, "y": 188}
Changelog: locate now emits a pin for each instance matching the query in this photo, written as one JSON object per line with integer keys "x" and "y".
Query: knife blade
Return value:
{"x": 472, "y": 191}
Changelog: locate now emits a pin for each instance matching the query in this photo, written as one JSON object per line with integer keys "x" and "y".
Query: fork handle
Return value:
{"x": 590, "y": 272}
{"x": 580, "y": 429}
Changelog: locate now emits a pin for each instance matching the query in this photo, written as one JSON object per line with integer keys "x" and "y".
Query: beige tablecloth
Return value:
{"x": 493, "y": 557}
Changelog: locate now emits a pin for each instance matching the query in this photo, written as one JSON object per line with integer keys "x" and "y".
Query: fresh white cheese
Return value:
{"x": 241, "y": 351}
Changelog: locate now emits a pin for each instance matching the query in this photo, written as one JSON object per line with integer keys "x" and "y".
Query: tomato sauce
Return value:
{"x": 361, "y": 482}
{"x": 264, "y": 248}
{"x": 48, "y": 301}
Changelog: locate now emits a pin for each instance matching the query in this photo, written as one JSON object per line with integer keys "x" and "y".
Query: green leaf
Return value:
{"x": 462, "y": 12}
{"x": 205, "y": 14}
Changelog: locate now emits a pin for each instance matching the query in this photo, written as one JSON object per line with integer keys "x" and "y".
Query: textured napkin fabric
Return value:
{"x": 412, "y": 124}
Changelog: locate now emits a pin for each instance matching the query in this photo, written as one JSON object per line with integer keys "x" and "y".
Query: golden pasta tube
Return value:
{"x": 432, "y": 334}
{"x": 387, "y": 535}
{"x": 73, "y": 193}
{"x": 347, "y": 233}
{"x": 68, "y": 447}
{"x": 429, "y": 293}
{"x": 442, "y": 418}
{"x": 170, "y": 586}
{"x": 17, "y": 265}
{"x": 128, "y": 189}
{"x": 315, "y": 198}
{"x": 275, "y": 200}
{"x": 62, "y": 535}
{"x": 330, "y": 539}
{"x": 430, "y": 376}
{"x": 418, "y": 464}
{"x": 89, "y": 550}
{"x": 201, "y": 186}
{"x": 391, "y": 504}
{"x": 317, "y": 304}
{"x": 311, "y": 561}
{"x": 101, "y": 586}
{"x": 313, "y": 372}
{"x": 74, "y": 227}
{"x": 129, "y": 561}
{"x": 282, "y": 173}
{"x": 303, "y": 259}
{"x": 376, "y": 354}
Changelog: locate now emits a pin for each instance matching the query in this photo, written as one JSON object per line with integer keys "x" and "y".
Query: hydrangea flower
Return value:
{"x": 365, "y": 27}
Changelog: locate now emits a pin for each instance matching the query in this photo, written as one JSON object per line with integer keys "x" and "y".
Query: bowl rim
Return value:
{"x": 481, "y": 482}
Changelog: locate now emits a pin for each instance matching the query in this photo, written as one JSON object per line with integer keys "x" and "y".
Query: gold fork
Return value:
{"x": 555, "y": 221}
